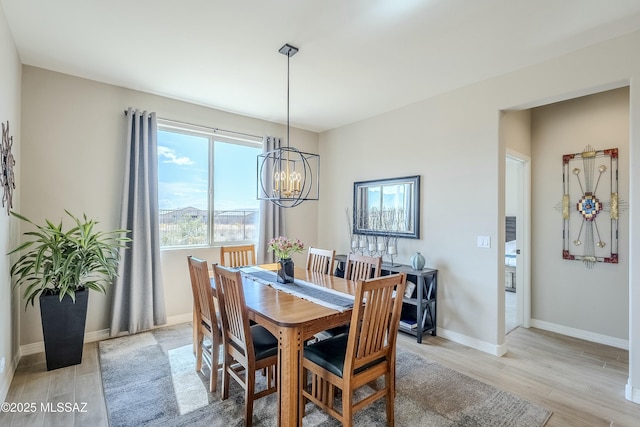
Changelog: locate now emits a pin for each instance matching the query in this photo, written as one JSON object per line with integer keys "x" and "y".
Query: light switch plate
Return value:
{"x": 484, "y": 241}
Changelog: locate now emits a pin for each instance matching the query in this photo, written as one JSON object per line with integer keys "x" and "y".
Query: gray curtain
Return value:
{"x": 272, "y": 222}
{"x": 138, "y": 296}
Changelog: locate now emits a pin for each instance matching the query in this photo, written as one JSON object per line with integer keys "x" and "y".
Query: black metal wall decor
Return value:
{"x": 7, "y": 178}
{"x": 590, "y": 206}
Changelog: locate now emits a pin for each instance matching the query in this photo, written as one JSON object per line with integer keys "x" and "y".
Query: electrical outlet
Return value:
{"x": 2, "y": 365}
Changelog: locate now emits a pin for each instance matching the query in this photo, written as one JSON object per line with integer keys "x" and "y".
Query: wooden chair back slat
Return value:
{"x": 362, "y": 267}
{"x": 320, "y": 260}
{"x": 238, "y": 255}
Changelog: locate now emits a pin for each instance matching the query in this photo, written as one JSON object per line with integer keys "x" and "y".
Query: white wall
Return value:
{"x": 73, "y": 144}
{"x": 439, "y": 140}
{"x": 511, "y": 188}
{"x": 515, "y": 131}
{"x": 454, "y": 142}
{"x": 9, "y": 111}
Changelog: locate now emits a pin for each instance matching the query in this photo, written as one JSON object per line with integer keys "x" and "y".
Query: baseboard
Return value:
{"x": 182, "y": 318}
{"x": 578, "y": 333}
{"x": 496, "y": 350}
{"x": 501, "y": 350}
{"x": 102, "y": 334}
{"x": 632, "y": 394}
{"x": 38, "y": 347}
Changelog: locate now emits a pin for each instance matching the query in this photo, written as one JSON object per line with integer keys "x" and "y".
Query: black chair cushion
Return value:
{"x": 264, "y": 343}
{"x": 338, "y": 330}
{"x": 329, "y": 353}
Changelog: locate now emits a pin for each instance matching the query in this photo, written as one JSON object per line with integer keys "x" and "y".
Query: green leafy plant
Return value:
{"x": 61, "y": 262}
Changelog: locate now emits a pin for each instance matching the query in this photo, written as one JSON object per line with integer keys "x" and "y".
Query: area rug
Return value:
{"x": 149, "y": 379}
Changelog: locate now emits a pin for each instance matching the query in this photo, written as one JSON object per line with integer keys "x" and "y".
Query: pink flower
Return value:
{"x": 283, "y": 247}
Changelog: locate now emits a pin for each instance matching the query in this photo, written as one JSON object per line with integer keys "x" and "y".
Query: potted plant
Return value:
{"x": 59, "y": 267}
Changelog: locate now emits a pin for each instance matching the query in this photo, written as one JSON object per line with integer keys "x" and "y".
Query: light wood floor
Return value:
{"x": 33, "y": 384}
{"x": 581, "y": 382}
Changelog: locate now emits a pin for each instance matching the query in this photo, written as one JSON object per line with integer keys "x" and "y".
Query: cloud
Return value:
{"x": 170, "y": 156}
{"x": 176, "y": 195}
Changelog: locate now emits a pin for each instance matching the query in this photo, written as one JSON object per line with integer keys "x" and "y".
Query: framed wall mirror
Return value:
{"x": 387, "y": 207}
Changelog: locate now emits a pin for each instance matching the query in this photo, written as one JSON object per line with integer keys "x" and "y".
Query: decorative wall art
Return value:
{"x": 590, "y": 206}
{"x": 7, "y": 177}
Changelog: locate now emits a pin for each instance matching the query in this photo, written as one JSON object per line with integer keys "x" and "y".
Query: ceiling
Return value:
{"x": 357, "y": 58}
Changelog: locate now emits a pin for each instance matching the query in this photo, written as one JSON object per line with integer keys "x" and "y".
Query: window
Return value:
{"x": 206, "y": 186}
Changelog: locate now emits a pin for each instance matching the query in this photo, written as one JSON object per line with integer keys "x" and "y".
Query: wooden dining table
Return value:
{"x": 293, "y": 320}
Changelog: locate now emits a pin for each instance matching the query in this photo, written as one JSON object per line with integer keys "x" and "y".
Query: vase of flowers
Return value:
{"x": 283, "y": 247}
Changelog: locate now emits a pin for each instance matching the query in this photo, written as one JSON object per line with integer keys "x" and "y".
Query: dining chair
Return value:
{"x": 362, "y": 267}
{"x": 320, "y": 260}
{"x": 205, "y": 323}
{"x": 349, "y": 361}
{"x": 357, "y": 267}
{"x": 247, "y": 348}
{"x": 238, "y": 255}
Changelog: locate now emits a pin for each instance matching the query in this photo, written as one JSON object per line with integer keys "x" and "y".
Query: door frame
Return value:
{"x": 523, "y": 237}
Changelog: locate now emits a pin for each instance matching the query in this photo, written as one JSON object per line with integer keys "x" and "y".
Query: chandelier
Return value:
{"x": 286, "y": 175}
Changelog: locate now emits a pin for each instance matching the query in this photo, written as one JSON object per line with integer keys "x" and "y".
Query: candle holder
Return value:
{"x": 372, "y": 245}
{"x": 355, "y": 241}
{"x": 392, "y": 249}
{"x": 362, "y": 244}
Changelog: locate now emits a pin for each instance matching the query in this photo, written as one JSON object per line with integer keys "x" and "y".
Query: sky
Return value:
{"x": 184, "y": 176}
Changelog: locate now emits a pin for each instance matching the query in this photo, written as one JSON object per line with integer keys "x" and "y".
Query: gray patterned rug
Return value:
{"x": 149, "y": 379}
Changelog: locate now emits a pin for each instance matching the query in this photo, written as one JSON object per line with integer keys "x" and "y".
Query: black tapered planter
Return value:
{"x": 63, "y": 325}
{"x": 285, "y": 270}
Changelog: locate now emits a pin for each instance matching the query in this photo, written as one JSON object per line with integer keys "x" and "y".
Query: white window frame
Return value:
{"x": 213, "y": 135}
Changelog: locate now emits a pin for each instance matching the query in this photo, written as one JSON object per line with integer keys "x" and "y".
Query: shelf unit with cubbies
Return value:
{"x": 419, "y": 311}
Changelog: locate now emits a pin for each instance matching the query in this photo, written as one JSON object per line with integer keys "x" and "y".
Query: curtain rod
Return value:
{"x": 206, "y": 127}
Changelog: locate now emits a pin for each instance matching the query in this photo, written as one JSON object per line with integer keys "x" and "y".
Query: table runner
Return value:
{"x": 302, "y": 289}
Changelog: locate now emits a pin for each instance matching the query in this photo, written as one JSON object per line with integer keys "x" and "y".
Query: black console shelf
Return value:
{"x": 421, "y": 308}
